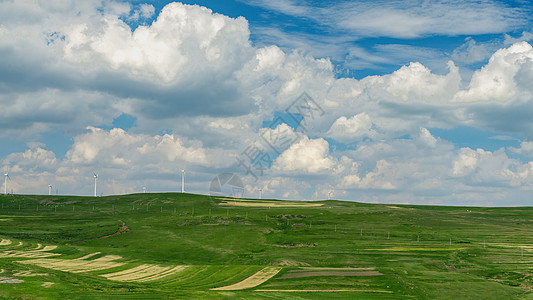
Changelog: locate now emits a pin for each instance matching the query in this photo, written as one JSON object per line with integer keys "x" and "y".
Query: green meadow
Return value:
{"x": 193, "y": 246}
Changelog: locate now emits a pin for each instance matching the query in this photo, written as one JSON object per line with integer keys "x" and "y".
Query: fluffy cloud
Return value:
{"x": 309, "y": 156}
{"x": 466, "y": 162}
{"x": 184, "y": 63}
{"x": 350, "y": 181}
{"x": 347, "y": 130}
{"x": 184, "y": 40}
{"x": 379, "y": 179}
{"x": 144, "y": 11}
{"x": 117, "y": 148}
{"x": 492, "y": 168}
{"x": 275, "y": 79}
{"x": 34, "y": 159}
{"x": 526, "y": 148}
{"x": 496, "y": 81}
{"x": 416, "y": 83}
{"x": 426, "y": 138}
{"x": 471, "y": 52}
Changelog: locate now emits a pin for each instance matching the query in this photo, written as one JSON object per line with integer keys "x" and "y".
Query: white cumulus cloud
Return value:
{"x": 349, "y": 129}
{"x": 308, "y": 156}
{"x": 496, "y": 81}
{"x": 184, "y": 40}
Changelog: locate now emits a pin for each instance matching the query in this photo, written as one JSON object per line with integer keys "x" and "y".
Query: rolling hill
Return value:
{"x": 193, "y": 246}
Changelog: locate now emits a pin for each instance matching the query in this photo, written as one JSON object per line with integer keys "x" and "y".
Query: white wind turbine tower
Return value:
{"x": 6, "y": 177}
{"x": 49, "y": 190}
{"x": 183, "y": 181}
{"x": 95, "y": 179}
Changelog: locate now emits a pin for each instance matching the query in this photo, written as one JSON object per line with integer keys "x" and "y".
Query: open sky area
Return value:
{"x": 420, "y": 102}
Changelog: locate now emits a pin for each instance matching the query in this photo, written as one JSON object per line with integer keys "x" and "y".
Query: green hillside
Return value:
{"x": 193, "y": 246}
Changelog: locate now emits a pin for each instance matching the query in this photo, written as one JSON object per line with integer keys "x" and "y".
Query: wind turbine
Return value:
{"x": 260, "y": 194}
{"x": 95, "y": 179}
{"x": 6, "y": 176}
{"x": 183, "y": 181}
{"x": 49, "y": 190}
{"x": 144, "y": 189}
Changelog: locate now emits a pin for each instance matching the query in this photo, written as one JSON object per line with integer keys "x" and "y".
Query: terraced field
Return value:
{"x": 191, "y": 246}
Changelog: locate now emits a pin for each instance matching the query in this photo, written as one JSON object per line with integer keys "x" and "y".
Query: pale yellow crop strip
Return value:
{"x": 31, "y": 255}
{"x": 93, "y": 265}
{"x": 107, "y": 258}
{"x": 153, "y": 270}
{"x": 75, "y": 268}
{"x": 264, "y": 204}
{"x": 26, "y": 254}
{"x": 5, "y": 242}
{"x": 144, "y": 273}
{"x": 71, "y": 265}
{"x": 252, "y": 281}
{"x": 170, "y": 272}
{"x": 6, "y": 253}
{"x": 47, "y": 284}
{"x": 48, "y": 248}
{"x": 38, "y": 262}
{"x": 56, "y": 264}
{"x": 128, "y": 271}
{"x": 88, "y": 255}
{"x": 29, "y": 274}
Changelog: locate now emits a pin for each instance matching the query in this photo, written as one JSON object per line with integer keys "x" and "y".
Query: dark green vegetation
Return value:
{"x": 422, "y": 252}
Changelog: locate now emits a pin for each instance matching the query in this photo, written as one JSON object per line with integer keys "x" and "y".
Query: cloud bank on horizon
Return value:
{"x": 200, "y": 89}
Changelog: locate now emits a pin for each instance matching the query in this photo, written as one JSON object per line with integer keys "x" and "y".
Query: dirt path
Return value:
{"x": 121, "y": 230}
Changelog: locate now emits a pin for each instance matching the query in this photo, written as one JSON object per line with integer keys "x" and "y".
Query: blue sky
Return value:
{"x": 424, "y": 101}
{"x": 291, "y": 23}
{"x": 431, "y": 49}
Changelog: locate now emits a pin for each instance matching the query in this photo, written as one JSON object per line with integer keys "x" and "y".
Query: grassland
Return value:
{"x": 193, "y": 246}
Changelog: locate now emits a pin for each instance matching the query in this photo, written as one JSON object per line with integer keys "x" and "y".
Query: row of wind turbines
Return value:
{"x": 6, "y": 177}
{"x": 95, "y": 176}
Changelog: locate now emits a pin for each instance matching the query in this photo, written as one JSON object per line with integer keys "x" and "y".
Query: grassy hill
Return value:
{"x": 193, "y": 246}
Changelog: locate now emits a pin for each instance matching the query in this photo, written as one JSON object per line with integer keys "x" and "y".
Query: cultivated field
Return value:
{"x": 192, "y": 246}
